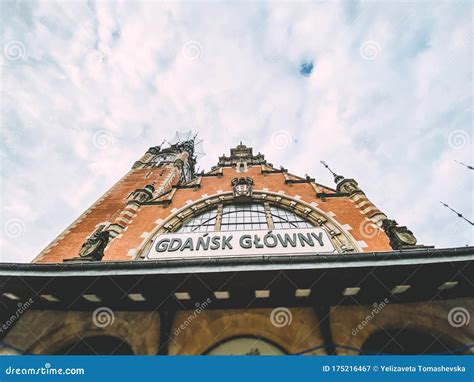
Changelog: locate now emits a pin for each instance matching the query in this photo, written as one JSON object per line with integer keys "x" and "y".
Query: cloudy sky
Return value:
{"x": 382, "y": 91}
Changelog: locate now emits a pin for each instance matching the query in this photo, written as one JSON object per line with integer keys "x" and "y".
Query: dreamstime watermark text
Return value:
{"x": 22, "y": 308}
{"x": 44, "y": 370}
{"x": 200, "y": 307}
{"x": 377, "y": 308}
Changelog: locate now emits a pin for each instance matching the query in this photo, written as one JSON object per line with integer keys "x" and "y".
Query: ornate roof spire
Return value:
{"x": 337, "y": 178}
{"x": 241, "y": 153}
{"x": 465, "y": 165}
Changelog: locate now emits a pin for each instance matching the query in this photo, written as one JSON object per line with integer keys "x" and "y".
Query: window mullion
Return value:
{"x": 268, "y": 215}
{"x": 220, "y": 208}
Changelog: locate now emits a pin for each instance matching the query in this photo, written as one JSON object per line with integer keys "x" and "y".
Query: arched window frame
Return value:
{"x": 263, "y": 340}
{"x": 260, "y": 216}
{"x": 340, "y": 237}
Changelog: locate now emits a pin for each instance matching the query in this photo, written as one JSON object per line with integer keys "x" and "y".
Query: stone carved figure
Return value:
{"x": 94, "y": 246}
{"x": 400, "y": 237}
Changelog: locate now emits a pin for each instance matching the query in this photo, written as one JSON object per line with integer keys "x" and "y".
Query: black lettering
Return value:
{"x": 245, "y": 241}
{"x": 226, "y": 242}
{"x": 203, "y": 242}
{"x": 256, "y": 242}
{"x": 162, "y": 245}
{"x": 319, "y": 238}
{"x": 287, "y": 240}
{"x": 188, "y": 244}
{"x": 174, "y": 247}
{"x": 306, "y": 239}
{"x": 273, "y": 238}
{"x": 215, "y": 243}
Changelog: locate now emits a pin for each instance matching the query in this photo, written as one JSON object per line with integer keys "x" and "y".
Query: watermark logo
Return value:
{"x": 14, "y": 227}
{"x": 459, "y": 139}
{"x": 367, "y": 229}
{"x": 281, "y": 317}
{"x": 103, "y": 139}
{"x": 458, "y": 317}
{"x": 14, "y": 50}
{"x": 103, "y": 317}
{"x": 369, "y": 50}
{"x": 281, "y": 139}
{"x": 192, "y": 50}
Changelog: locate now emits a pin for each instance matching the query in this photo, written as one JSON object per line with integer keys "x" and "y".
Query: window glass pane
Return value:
{"x": 287, "y": 219}
{"x": 244, "y": 217}
{"x": 201, "y": 223}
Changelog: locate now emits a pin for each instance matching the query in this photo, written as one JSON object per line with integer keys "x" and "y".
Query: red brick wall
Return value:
{"x": 67, "y": 245}
{"x": 344, "y": 209}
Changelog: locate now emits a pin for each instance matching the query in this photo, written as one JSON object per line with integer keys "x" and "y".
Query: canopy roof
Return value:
{"x": 309, "y": 280}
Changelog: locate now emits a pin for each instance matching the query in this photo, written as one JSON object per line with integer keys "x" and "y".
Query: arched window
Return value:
{"x": 246, "y": 345}
{"x": 286, "y": 219}
{"x": 244, "y": 216}
{"x": 393, "y": 341}
{"x": 237, "y": 217}
{"x": 201, "y": 223}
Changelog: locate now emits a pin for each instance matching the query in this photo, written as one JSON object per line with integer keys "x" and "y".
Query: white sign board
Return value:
{"x": 241, "y": 243}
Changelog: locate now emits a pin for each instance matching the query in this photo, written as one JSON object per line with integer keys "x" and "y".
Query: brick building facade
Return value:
{"x": 298, "y": 268}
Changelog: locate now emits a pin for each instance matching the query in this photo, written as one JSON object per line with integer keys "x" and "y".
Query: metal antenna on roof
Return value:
{"x": 326, "y": 165}
{"x": 465, "y": 165}
{"x": 337, "y": 178}
{"x": 457, "y": 213}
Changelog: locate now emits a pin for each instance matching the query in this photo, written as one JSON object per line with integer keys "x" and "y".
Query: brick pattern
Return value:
{"x": 355, "y": 216}
{"x": 111, "y": 207}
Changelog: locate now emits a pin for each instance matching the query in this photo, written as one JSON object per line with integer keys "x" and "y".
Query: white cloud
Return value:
{"x": 120, "y": 68}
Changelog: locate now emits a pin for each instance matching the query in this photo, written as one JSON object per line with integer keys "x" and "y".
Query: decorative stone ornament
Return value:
{"x": 94, "y": 246}
{"x": 178, "y": 163}
{"x": 340, "y": 237}
{"x": 154, "y": 150}
{"x": 239, "y": 154}
{"x": 241, "y": 167}
{"x": 400, "y": 237}
{"x": 348, "y": 186}
{"x": 142, "y": 195}
{"x": 242, "y": 188}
